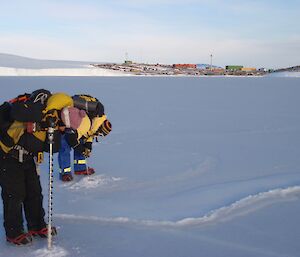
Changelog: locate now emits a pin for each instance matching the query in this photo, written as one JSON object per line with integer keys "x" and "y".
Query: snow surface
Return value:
{"x": 295, "y": 74}
{"x": 193, "y": 167}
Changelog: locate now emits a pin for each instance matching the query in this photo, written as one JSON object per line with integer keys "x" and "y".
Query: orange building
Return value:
{"x": 248, "y": 69}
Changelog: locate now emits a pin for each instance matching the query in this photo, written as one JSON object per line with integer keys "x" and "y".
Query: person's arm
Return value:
{"x": 72, "y": 139}
{"x": 26, "y": 111}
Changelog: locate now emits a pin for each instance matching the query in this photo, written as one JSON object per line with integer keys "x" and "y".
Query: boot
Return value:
{"x": 23, "y": 239}
{"x": 66, "y": 177}
{"x": 42, "y": 232}
{"x": 88, "y": 171}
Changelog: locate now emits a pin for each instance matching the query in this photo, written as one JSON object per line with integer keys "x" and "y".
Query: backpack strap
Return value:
{"x": 20, "y": 98}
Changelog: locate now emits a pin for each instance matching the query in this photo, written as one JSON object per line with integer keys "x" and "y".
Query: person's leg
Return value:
{"x": 79, "y": 163}
{"x": 64, "y": 160}
{"x": 33, "y": 202}
{"x": 13, "y": 195}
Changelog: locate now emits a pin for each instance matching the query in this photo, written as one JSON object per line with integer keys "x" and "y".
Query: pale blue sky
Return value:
{"x": 252, "y": 33}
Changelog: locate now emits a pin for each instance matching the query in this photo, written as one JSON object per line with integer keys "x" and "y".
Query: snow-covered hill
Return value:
{"x": 84, "y": 71}
{"x": 294, "y": 74}
{"x": 13, "y": 65}
{"x": 15, "y": 61}
{"x": 193, "y": 167}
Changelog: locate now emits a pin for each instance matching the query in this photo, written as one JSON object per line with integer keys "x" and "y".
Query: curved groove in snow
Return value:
{"x": 242, "y": 207}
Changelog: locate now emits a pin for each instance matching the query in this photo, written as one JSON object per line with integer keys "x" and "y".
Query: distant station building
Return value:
{"x": 214, "y": 69}
{"x": 248, "y": 69}
{"x": 184, "y": 66}
{"x": 128, "y": 62}
{"x": 263, "y": 69}
{"x": 234, "y": 67}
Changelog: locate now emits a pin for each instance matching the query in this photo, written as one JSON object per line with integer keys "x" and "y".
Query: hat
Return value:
{"x": 105, "y": 128}
{"x": 40, "y": 96}
{"x": 72, "y": 117}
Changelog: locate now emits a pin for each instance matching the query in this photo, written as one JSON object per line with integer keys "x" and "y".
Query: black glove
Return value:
{"x": 86, "y": 153}
{"x": 88, "y": 145}
{"x": 80, "y": 148}
{"x": 71, "y": 137}
{"x": 88, "y": 149}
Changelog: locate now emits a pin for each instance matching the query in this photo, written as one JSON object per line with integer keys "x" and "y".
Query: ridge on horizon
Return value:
{"x": 17, "y": 61}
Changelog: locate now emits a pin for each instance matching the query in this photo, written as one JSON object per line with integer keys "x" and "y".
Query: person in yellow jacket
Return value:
{"x": 23, "y": 138}
{"x": 79, "y": 134}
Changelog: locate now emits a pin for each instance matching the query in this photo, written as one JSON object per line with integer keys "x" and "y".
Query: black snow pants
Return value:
{"x": 21, "y": 192}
